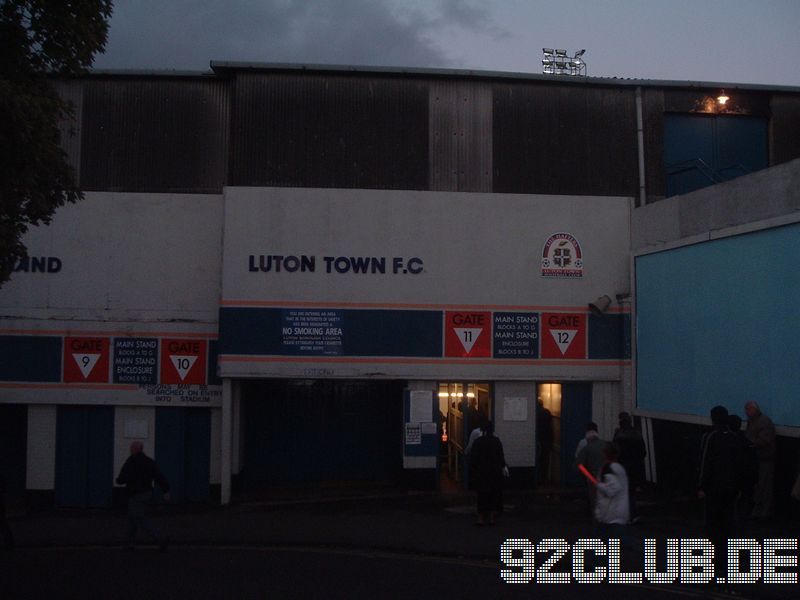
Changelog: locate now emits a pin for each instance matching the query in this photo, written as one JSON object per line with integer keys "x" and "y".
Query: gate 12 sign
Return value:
{"x": 183, "y": 361}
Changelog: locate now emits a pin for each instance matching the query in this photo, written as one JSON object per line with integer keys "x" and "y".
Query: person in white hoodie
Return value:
{"x": 612, "y": 508}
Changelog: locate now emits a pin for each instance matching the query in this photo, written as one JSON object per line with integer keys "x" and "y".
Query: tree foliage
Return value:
{"x": 40, "y": 41}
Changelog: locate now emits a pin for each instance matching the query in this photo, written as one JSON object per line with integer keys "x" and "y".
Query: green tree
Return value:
{"x": 40, "y": 41}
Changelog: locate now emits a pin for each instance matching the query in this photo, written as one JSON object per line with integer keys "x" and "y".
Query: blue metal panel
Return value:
{"x": 701, "y": 150}
{"x": 183, "y": 452}
{"x": 576, "y": 412}
{"x": 717, "y": 324}
{"x": 213, "y": 354}
{"x": 688, "y": 152}
{"x": 30, "y": 358}
{"x": 13, "y": 445}
{"x": 609, "y": 336}
{"x": 741, "y": 146}
{"x": 257, "y": 331}
{"x": 198, "y": 454}
{"x": 71, "y": 456}
{"x": 100, "y": 468}
{"x": 309, "y": 431}
{"x": 170, "y": 450}
{"x": 84, "y": 456}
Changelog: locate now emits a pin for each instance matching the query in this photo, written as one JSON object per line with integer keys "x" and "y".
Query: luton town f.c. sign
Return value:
{"x": 561, "y": 256}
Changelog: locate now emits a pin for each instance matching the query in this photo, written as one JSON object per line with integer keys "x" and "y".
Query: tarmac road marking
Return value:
{"x": 384, "y": 554}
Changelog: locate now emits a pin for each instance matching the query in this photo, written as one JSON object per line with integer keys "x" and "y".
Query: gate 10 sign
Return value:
{"x": 183, "y": 361}
{"x": 86, "y": 360}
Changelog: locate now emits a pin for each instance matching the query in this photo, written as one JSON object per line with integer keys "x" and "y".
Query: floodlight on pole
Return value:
{"x": 556, "y": 61}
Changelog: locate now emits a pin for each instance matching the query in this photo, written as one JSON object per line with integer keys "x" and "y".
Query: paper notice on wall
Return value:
{"x": 428, "y": 428}
{"x": 413, "y": 434}
{"x": 515, "y": 409}
{"x": 421, "y": 406}
{"x": 136, "y": 429}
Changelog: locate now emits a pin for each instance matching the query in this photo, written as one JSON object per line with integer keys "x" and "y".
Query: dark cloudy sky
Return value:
{"x": 740, "y": 41}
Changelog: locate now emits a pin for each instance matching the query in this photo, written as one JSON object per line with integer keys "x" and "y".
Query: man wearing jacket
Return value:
{"x": 722, "y": 463}
{"x": 137, "y": 475}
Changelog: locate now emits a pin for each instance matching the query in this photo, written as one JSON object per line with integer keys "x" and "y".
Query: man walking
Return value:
{"x": 138, "y": 474}
{"x": 721, "y": 463}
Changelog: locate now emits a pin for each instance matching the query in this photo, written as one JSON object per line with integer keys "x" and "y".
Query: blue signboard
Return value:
{"x": 516, "y": 335}
{"x": 136, "y": 360}
{"x": 311, "y": 332}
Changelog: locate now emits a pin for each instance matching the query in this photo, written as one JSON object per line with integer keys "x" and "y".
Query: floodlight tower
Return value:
{"x": 557, "y": 62}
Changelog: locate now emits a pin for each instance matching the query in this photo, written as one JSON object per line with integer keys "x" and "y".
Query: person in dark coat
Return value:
{"x": 632, "y": 451}
{"x": 544, "y": 440}
{"x": 749, "y": 469}
{"x": 137, "y": 475}
{"x": 721, "y": 479}
{"x": 489, "y": 466}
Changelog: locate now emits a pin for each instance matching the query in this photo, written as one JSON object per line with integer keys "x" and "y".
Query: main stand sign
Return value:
{"x": 516, "y": 335}
{"x": 564, "y": 335}
{"x": 86, "y": 360}
{"x": 468, "y": 334}
{"x": 183, "y": 361}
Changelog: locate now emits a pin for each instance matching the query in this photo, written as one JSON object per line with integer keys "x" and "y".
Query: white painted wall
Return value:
{"x": 518, "y": 437}
{"x": 478, "y": 249}
{"x": 129, "y": 423}
{"x": 125, "y": 257}
{"x": 215, "y": 466}
{"x": 41, "y": 455}
{"x": 481, "y": 252}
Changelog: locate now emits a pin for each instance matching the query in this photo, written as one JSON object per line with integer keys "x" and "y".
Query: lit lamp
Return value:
{"x": 723, "y": 98}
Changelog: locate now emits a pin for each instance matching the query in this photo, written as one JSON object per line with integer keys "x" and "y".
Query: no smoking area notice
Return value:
{"x": 183, "y": 362}
{"x": 86, "y": 359}
{"x": 563, "y": 335}
{"x": 468, "y": 334}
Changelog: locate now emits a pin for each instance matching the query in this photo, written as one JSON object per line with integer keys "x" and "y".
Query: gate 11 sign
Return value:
{"x": 183, "y": 362}
{"x": 468, "y": 334}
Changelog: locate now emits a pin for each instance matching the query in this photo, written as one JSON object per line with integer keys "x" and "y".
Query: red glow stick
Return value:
{"x": 588, "y": 475}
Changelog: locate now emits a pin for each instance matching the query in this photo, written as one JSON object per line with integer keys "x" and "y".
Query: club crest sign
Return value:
{"x": 562, "y": 257}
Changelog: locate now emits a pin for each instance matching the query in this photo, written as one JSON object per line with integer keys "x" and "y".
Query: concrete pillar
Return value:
{"x": 226, "y": 441}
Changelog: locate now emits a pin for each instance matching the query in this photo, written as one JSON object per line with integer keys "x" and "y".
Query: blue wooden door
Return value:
{"x": 701, "y": 150}
{"x": 84, "y": 456}
{"x": 13, "y": 446}
{"x": 576, "y": 412}
{"x": 183, "y": 452}
{"x": 310, "y": 431}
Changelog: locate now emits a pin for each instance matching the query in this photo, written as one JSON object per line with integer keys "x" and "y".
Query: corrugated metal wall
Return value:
{"x": 334, "y": 131}
{"x": 343, "y": 129}
{"x": 145, "y": 134}
{"x": 785, "y": 130}
{"x": 70, "y": 129}
{"x": 460, "y": 136}
{"x": 565, "y": 139}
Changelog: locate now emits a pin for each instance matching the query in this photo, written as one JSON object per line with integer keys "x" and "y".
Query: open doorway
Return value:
{"x": 548, "y": 433}
{"x": 462, "y": 407}
{"x": 567, "y": 407}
